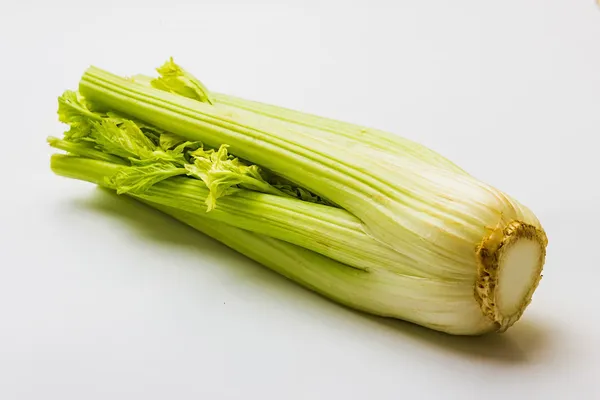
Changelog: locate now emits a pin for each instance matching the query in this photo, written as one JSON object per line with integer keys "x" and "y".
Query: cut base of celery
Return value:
{"x": 510, "y": 268}
{"x": 518, "y": 271}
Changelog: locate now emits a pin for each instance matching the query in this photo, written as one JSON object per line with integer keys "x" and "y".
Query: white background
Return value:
{"x": 101, "y": 298}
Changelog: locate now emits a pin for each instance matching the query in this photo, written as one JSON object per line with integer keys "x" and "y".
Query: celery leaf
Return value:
{"x": 220, "y": 172}
{"x": 175, "y": 79}
{"x": 124, "y": 140}
{"x": 143, "y": 175}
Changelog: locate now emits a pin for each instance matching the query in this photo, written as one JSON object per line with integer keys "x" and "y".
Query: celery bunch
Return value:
{"x": 364, "y": 217}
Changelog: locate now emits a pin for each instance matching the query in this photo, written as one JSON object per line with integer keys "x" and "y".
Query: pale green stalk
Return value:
{"x": 442, "y": 305}
{"x": 380, "y": 140}
{"x": 439, "y": 305}
{"x": 409, "y": 205}
{"x": 326, "y": 230}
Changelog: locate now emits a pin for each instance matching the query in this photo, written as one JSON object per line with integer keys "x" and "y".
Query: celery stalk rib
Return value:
{"x": 375, "y": 138}
{"x": 378, "y": 139}
{"x": 357, "y": 181}
{"x": 397, "y": 296}
{"x": 333, "y": 280}
{"x": 329, "y": 231}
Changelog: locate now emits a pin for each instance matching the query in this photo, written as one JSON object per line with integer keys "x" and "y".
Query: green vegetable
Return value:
{"x": 364, "y": 217}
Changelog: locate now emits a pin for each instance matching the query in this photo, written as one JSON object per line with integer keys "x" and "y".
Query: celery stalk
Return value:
{"x": 363, "y": 181}
{"x": 85, "y": 150}
{"x": 375, "y": 138}
{"x": 378, "y": 139}
{"x": 396, "y": 295}
{"x": 329, "y": 231}
{"x": 431, "y": 302}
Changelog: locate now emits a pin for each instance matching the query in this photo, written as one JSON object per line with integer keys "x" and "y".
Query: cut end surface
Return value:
{"x": 510, "y": 268}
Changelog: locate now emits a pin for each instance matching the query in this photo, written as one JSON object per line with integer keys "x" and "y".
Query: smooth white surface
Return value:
{"x": 518, "y": 272}
{"x": 101, "y": 298}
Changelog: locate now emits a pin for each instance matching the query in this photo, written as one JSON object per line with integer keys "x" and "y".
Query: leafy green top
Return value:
{"x": 153, "y": 155}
